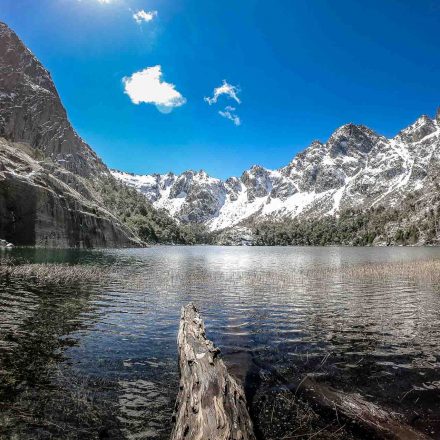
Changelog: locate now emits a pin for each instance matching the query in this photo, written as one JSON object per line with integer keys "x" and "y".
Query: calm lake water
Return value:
{"x": 100, "y": 360}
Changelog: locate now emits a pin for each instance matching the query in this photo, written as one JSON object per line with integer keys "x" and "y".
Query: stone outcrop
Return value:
{"x": 31, "y": 110}
{"x": 38, "y": 208}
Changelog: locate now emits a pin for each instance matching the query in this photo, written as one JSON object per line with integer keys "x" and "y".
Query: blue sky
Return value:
{"x": 299, "y": 68}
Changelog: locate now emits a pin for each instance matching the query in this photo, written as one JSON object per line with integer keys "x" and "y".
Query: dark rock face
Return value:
{"x": 257, "y": 182}
{"x": 18, "y": 214}
{"x": 203, "y": 195}
{"x": 43, "y": 219}
{"x": 352, "y": 140}
{"x": 46, "y": 198}
{"x": 323, "y": 179}
{"x": 283, "y": 189}
{"x": 39, "y": 209}
{"x": 182, "y": 185}
{"x": 233, "y": 187}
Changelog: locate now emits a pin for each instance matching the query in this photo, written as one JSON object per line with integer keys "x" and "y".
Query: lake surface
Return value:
{"x": 99, "y": 360}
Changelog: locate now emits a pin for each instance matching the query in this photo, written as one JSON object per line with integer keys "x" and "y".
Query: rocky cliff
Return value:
{"x": 31, "y": 110}
{"x": 38, "y": 208}
{"x": 48, "y": 175}
{"x": 355, "y": 169}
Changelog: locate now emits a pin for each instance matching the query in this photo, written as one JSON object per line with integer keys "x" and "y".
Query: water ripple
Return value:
{"x": 269, "y": 309}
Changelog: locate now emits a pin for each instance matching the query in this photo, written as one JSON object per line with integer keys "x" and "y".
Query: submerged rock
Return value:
{"x": 5, "y": 244}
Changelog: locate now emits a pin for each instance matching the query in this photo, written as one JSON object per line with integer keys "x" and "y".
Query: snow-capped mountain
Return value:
{"x": 355, "y": 168}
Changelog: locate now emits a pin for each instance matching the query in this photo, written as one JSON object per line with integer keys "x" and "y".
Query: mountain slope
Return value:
{"x": 31, "y": 110}
{"x": 54, "y": 190}
{"x": 38, "y": 208}
{"x": 355, "y": 169}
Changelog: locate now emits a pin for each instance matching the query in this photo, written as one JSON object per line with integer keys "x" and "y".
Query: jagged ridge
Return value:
{"x": 355, "y": 168}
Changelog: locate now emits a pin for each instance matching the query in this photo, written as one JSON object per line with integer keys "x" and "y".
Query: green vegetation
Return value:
{"x": 413, "y": 221}
{"x": 404, "y": 226}
{"x": 150, "y": 224}
{"x": 352, "y": 227}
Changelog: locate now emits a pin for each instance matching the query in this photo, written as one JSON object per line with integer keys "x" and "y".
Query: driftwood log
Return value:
{"x": 211, "y": 405}
{"x": 376, "y": 422}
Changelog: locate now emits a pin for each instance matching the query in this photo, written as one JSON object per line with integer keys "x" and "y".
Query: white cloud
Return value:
{"x": 142, "y": 15}
{"x": 229, "y": 113}
{"x": 147, "y": 86}
{"x": 224, "y": 89}
{"x": 105, "y": 1}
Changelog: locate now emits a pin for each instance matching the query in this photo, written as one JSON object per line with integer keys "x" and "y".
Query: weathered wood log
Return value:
{"x": 376, "y": 421}
{"x": 211, "y": 405}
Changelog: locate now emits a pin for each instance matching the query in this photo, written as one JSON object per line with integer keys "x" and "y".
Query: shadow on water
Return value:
{"x": 40, "y": 397}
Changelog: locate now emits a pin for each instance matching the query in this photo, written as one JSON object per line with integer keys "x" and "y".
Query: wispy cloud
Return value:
{"x": 225, "y": 89}
{"x": 105, "y": 1}
{"x": 147, "y": 86}
{"x": 231, "y": 92}
{"x": 145, "y": 16}
{"x": 229, "y": 113}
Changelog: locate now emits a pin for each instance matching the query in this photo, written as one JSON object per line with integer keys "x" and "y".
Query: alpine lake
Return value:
{"x": 97, "y": 358}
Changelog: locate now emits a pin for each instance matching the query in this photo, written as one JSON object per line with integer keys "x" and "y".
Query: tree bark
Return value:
{"x": 211, "y": 405}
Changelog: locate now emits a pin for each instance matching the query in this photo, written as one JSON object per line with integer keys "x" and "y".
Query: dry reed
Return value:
{"x": 53, "y": 273}
{"x": 424, "y": 269}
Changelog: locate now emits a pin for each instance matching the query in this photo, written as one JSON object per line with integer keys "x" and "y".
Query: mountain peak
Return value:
{"x": 420, "y": 128}
{"x": 352, "y": 129}
{"x": 257, "y": 168}
{"x": 355, "y": 168}
{"x": 17, "y": 59}
{"x": 351, "y": 139}
{"x": 23, "y": 79}
{"x": 316, "y": 143}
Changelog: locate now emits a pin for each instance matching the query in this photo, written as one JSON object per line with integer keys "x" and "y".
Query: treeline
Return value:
{"x": 411, "y": 223}
{"x": 352, "y": 227}
{"x": 150, "y": 225}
